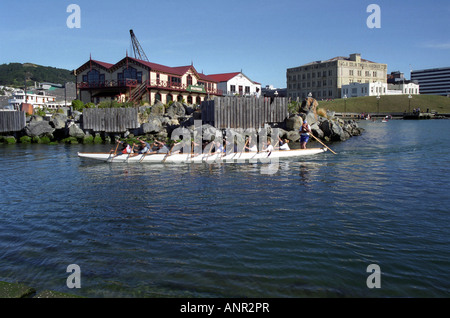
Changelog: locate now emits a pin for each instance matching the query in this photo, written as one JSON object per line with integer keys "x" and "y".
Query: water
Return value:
{"x": 309, "y": 230}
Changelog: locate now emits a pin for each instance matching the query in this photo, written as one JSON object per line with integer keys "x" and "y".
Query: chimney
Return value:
{"x": 356, "y": 57}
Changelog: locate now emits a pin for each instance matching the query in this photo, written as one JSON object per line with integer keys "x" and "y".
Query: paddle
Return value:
{"x": 168, "y": 154}
{"x": 322, "y": 143}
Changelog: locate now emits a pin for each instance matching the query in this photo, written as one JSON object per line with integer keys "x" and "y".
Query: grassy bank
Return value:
{"x": 388, "y": 104}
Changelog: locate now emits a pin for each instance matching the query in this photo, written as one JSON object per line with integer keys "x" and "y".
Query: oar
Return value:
{"x": 168, "y": 154}
{"x": 322, "y": 143}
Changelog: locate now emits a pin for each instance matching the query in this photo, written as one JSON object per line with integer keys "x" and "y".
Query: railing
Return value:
{"x": 104, "y": 84}
{"x": 150, "y": 84}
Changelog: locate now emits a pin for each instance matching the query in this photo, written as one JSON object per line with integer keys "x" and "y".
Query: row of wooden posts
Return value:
{"x": 221, "y": 112}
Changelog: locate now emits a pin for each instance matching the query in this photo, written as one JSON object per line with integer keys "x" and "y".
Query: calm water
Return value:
{"x": 309, "y": 230}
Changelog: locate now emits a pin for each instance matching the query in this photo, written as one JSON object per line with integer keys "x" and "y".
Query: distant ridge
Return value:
{"x": 14, "y": 74}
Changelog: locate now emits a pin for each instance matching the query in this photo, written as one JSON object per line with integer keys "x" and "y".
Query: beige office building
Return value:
{"x": 324, "y": 79}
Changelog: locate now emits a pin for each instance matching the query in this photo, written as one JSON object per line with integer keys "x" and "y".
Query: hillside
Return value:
{"x": 14, "y": 74}
{"x": 389, "y": 104}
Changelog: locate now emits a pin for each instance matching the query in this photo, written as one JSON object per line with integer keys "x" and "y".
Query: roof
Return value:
{"x": 179, "y": 70}
{"x": 338, "y": 58}
{"x": 225, "y": 77}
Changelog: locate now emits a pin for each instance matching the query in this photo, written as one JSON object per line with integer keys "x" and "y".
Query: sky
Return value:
{"x": 260, "y": 38}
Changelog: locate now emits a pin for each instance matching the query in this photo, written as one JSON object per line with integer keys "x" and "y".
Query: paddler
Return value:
{"x": 305, "y": 130}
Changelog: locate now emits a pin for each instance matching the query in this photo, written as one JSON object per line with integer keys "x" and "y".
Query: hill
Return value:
{"x": 388, "y": 104}
{"x": 14, "y": 74}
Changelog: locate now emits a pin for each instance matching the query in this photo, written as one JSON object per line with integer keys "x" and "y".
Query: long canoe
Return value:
{"x": 235, "y": 157}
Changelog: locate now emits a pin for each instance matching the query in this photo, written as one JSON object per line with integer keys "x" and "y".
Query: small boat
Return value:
{"x": 234, "y": 157}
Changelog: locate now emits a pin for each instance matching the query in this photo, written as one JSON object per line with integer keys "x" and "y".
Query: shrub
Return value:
{"x": 25, "y": 140}
{"x": 322, "y": 112}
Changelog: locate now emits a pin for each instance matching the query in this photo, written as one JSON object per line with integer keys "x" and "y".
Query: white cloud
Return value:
{"x": 438, "y": 46}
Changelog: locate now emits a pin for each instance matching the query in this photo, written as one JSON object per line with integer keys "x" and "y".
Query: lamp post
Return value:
{"x": 409, "y": 109}
{"x": 345, "y": 105}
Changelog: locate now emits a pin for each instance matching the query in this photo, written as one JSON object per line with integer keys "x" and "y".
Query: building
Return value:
{"x": 379, "y": 89}
{"x": 434, "y": 81}
{"x": 270, "y": 91}
{"x": 132, "y": 79}
{"x": 236, "y": 84}
{"x": 324, "y": 79}
{"x": 40, "y": 100}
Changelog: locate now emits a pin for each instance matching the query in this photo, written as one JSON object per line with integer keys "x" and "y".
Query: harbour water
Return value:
{"x": 311, "y": 229}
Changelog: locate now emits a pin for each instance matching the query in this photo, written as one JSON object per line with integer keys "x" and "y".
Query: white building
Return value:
{"x": 37, "y": 100}
{"x": 236, "y": 84}
{"x": 379, "y": 88}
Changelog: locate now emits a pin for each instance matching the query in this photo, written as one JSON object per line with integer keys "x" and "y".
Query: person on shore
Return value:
{"x": 305, "y": 130}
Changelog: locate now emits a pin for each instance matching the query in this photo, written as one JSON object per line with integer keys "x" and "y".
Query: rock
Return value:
{"x": 39, "y": 128}
{"x": 325, "y": 126}
{"x": 76, "y": 131}
{"x": 294, "y": 123}
{"x": 316, "y": 130}
{"x": 176, "y": 110}
{"x": 311, "y": 117}
{"x": 189, "y": 110}
{"x": 293, "y": 135}
{"x": 76, "y": 115}
{"x": 59, "y": 121}
{"x": 208, "y": 131}
{"x": 158, "y": 108}
{"x": 337, "y": 133}
{"x": 154, "y": 125}
{"x": 34, "y": 118}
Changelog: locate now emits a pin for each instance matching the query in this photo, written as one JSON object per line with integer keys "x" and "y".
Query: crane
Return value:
{"x": 137, "y": 48}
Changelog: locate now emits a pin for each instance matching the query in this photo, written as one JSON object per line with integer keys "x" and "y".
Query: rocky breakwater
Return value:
{"x": 159, "y": 122}
{"x": 324, "y": 124}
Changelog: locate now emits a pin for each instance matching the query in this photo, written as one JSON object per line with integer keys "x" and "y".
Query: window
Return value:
{"x": 375, "y": 74}
{"x": 174, "y": 81}
{"x": 169, "y": 98}
{"x": 157, "y": 96}
{"x": 233, "y": 88}
{"x": 189, "y": 80}
{"x": 350, "y": 72}
{"x": 247, "y": 89}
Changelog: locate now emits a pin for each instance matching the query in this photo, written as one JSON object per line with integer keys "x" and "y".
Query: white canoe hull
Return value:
{"x": 251, "y": 157}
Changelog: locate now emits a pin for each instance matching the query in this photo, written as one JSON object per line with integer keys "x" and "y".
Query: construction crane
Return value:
{"x": 137, "y": 48}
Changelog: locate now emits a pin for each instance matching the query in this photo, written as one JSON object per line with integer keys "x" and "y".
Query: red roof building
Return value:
{"x": 136, "y": 80}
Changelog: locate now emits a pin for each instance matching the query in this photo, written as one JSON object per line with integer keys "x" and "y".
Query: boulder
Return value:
{"x": 176, "y": 110}
{"x": 76, "y": 131}
{"x": 293, "y": 135}
{"x": 311, "y": 117}
{"x": 158, "y": 108}
{"x": 39, "y": 129}
{"x": 337, "y": 133}
{"x": 59, "y": 121}
{"x": 154, "y": 125}
{"x": 294, "y": 123}
{"x": 208, "y": 131}
{"x": 316, "y": 130}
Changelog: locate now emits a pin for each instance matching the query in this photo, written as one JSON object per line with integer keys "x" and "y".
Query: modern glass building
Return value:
{"x": 435, "y": 81}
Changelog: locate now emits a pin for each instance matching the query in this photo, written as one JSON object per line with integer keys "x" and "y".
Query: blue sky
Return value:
{"x": 261, "y": 38}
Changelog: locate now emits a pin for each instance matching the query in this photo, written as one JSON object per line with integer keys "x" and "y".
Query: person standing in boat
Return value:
{"x": 305, "y": 130}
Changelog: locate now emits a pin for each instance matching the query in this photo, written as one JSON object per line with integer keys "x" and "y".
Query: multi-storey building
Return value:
{"x": 132, "y": 79}
{"x": 434, "y": 81}
{"x": 324, "y": 79}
